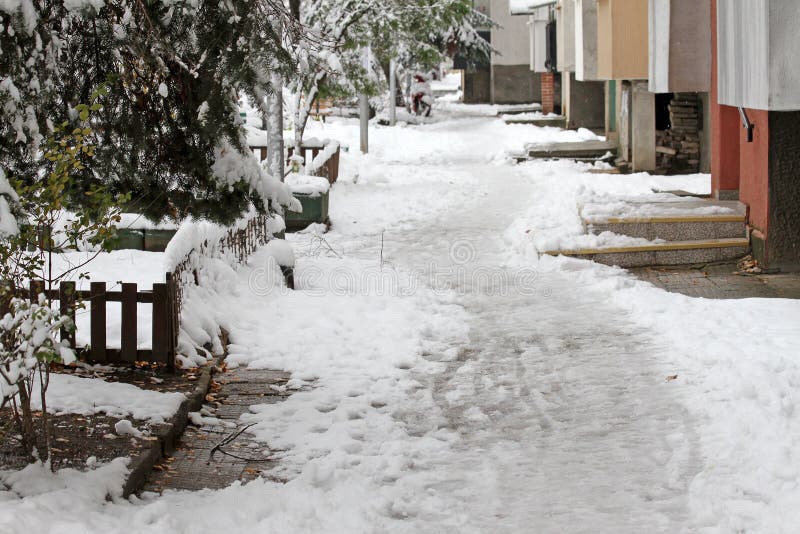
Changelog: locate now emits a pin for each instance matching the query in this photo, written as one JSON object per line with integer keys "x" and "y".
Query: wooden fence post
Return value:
{"x": 161, "y": 324}
{"x": 36, "y": 289}
{"x": 130, "y": 324}
{"x": 175, "y": 319}
{"x": 97, "y": 297}
{"x": 66, "y": 305}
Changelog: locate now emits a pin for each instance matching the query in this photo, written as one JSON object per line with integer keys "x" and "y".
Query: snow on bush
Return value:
{"x": 29, "y": 337}
{"x": 231, "y": 167}
{"x": 8, "y": 223}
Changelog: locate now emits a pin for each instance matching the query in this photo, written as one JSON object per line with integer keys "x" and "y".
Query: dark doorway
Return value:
{"x": 663, "y": 121}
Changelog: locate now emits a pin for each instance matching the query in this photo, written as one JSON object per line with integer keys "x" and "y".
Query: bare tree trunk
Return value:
{"x": 44, "y": 380}
{"x": 28, "y": 431}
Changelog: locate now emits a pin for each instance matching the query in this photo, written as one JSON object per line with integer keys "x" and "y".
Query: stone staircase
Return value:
{"x": 682, "y": 232}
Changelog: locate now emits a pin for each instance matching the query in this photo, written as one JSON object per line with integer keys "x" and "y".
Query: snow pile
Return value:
{"x": 302, "y": 184}
{"x": 42, "y": 488}
{"x": 8, "y": 223}
{"x": 88, "y": 396}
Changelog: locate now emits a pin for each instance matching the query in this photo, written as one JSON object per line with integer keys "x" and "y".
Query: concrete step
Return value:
{"x": 517, "y": 109}
{"x": 669, "y": 253}
{"x": 580, "y": 150}
{"x": 554, "y": 122}
{"x": 671, "y": 221}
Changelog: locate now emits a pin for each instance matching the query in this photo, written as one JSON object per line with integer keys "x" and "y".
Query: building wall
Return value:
{"x": 512, "y": 81}
{"x": 586, "y": 40}
{"x": 659, "y": 24}
{"x": 754, "y": 169}
{"x": 477, "y": 87}
{"x": 515, "y": 84}
{"x": 743, "y": 62}
{"x": 759, "y": 66}
{"x": 565, "y": 17}
{"x": 725, "y": 127}
{"x": 680, "y": 46}
{"x": 643, "y": 128}
{"x": 623, "y": 39}
{"x": 511, "y": 38}
{"x": 784, "y": 65}
{"x": 583, "y": 102}
{"x": 784, "y": 191}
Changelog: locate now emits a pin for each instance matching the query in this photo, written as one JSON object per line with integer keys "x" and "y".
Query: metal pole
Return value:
{"x": 392, "y": 94}
{"x": 364, "y": 108}
{"x": 364, "y": 105}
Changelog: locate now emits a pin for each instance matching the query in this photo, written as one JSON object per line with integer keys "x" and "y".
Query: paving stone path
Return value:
{"x": 722, "y": 282}
{"x": 193, "y": 467}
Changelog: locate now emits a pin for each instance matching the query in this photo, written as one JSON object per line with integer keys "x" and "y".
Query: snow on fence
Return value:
{"x": 166, "y": 299}
{"x": 239, "y": 241}
{"x": 320, "y": 158}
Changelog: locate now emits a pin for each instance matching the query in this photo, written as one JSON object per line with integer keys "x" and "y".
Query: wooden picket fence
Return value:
{"x": 328, "y": 170}
{"x": 166, "y": 299}
{"x": 165, "y": 319}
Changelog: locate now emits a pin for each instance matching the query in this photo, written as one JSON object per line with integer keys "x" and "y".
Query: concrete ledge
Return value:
{"x": 660, "y": 247}
{"x": 586, "y": 149}
{"x": 675, "y": 253}
{"x": 664, "y": 220}
{"x": 543, "y": 122}
{"x": 675, "y": 229}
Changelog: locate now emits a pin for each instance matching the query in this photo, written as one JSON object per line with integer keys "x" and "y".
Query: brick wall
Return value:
{"x": 548, "y": 92}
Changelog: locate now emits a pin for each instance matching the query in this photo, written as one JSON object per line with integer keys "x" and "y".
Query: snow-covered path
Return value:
{"x": 448, "y": 379}
{"x": 565, "y": 419}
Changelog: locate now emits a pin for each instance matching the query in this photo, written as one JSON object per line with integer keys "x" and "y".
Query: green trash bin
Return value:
{"x": 127, "y": 239}
{"x": 315, "y": 210}
{"x": 157, "y": 240}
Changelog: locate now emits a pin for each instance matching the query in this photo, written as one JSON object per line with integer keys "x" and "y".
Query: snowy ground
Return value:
{"x": 449, "y": 380}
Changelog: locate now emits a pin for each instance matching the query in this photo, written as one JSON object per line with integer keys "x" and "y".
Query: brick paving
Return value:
{"x": 192, "y": 466}
{"x": 722, "y": 282}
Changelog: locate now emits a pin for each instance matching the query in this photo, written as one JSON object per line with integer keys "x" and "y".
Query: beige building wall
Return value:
{"x": 622, "y": 39}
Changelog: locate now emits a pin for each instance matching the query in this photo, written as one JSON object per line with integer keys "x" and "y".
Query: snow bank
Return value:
{"x": 88, "y": 396}
{"x": 68, "y": 487}
{"x": 312, "y": 186}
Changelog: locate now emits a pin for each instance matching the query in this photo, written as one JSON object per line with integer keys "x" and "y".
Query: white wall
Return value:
{"x": 586, "y": 40}
{"x": 759, "y": 59}
{"x": 512, "y": 38}
{"x": 565, "y": 17}
{"x": 659, "y": 20}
